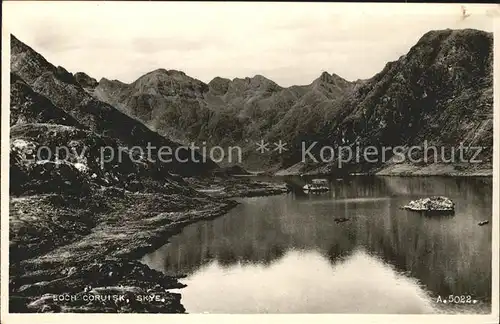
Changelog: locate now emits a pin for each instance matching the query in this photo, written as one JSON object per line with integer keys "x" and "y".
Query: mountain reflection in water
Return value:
{"x": 286, "y": 253}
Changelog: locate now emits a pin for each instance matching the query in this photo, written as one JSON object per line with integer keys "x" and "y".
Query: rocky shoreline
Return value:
{"x": 405, "y": 170}
{"x": 236, "y": 187}
{"x": 67, "y": 250}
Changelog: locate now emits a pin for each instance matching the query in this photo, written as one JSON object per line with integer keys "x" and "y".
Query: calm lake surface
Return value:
{"x": 286, "y": 254}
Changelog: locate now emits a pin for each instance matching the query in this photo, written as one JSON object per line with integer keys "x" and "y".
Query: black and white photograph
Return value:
{"x": 249, "y": 158}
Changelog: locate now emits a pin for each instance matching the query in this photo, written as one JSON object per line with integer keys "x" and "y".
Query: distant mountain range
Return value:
{"x": 224, "y": 112}
{"x": 440, "y": 91}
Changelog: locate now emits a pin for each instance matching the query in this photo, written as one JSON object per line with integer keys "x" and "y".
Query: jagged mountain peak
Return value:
{"x": 106, "y": 80}
{"x": 331, "y": 85}
{"x": 325, "y": 76}
{"x": 218, "y": 79}
{"x": 256, "y": 83}
{"x": 219, "y": 86}
{"x": 330, "y": 78}
{"x": 261, "y": 78}
{"x": 169, "y": 83}
{"x": 256, "y": 79}
{"x": 163, "y": 71}
{"x": 454, "y": 39}
{"x": 453, "y": 33}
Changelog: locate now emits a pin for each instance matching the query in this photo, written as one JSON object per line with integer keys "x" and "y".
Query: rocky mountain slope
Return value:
{"x": 65, "y": 92}
{"x": 441, "y": 92}
{"x": 28, "y": 106}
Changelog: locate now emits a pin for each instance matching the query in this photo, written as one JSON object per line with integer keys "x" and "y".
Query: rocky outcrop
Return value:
{"x": 432, "y": 204}
{"x": 28, "y": 106}
{"x": 82, "y": 246}
{"x": 219, "y": 86}
{"x": 86, "y": 81}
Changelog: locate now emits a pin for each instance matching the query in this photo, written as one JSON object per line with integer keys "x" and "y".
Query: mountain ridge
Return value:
{"x": 238, "y": 111}
{"x": 331, "y": 109}
{"x": 242, "y": 111}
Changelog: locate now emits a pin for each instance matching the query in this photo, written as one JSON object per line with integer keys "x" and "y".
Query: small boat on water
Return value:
{"x": 317, "y": 185}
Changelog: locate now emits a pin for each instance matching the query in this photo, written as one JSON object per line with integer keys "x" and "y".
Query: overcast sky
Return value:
{"x": 290, "y": 43}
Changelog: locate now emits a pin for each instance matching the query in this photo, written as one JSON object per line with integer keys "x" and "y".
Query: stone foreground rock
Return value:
{"x": 61, "y": 245}
{"x": 436, "y": 203}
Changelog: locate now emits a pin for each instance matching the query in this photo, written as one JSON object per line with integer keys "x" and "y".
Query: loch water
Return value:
{"x": 290, "y": 254}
